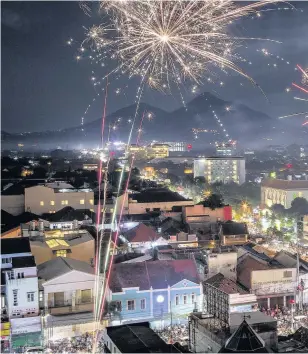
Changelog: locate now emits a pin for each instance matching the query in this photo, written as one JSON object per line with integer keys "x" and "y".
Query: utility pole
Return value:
{"x": 171, "y": 340}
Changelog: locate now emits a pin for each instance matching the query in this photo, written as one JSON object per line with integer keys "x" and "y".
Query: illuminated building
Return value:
{"x": 152, "y": 290}
{"x": 278, "y": 191}
{"x": 225, "y": 148}
{"x": 26, "y": 172}
{"x": 51, "y": 197}
{"x": 90, "y": 166}
{"x": 149, "y": 172}
{"x": 221, "y": 169}
{"x": 140, "y": 152}
{"x": 177, "y": 146}
{"x": 158, "y": 150}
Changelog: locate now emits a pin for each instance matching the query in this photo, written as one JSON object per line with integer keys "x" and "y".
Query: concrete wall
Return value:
{"x": 222, "y": 214}
{"x": 28, "y": 284}
{"x": 34, "y": 196}
{"x": 273, "y": 281}
{"x": 13, "y": 204}
{"x": 224, "y": 263}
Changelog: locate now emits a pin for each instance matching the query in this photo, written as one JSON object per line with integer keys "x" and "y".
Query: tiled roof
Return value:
{"x": 68, "y": 214}
{"x": 156, "y": 195}
{"x": 284, "y": 184}
{"x": 62, "y": 265}
{"x": 141, "y": 233}
{"x": 244, "y": 340}
{"x": 158, "y": 274}
{"x": 226, "y": 285}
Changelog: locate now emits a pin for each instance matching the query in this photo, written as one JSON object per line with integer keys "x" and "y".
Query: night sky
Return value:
{"x": 45, "y": 88}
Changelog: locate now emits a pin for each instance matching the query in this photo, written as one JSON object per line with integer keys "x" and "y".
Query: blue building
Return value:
{"x": 155, "y": 291}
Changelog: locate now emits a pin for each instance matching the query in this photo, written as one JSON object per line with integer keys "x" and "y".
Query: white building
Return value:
{"x": 221, "y": 169}
{"x": 21, "y": 292}
{"x": 278, "y": 191}
{"x": 68, "y": 287}
{"x": 52, "y": 197}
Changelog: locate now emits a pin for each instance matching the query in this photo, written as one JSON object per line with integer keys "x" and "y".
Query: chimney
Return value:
{"x": 75, "y": 224}
{"x": 41, "y": 225}
{"x": 32, "y": 225}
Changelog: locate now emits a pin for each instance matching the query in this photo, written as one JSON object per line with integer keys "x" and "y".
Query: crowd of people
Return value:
{"x": 288, "y": 323}
{"x": 174, "y": 334}
{"x": 80, "y": 344}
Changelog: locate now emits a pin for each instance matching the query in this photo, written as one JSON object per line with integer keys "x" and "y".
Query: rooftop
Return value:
{"x": 23, "y": 262}
{"x": 157, "y": 195}
{"x": 141, "y": 233}
{"x": 19, "y": 187}
{"x": 226, "y": 285}
{"x": 244, "y": 339}
{"x": 16, "y": 221}
{"x": 234, "y": 228}
{"x": 60, "y": 265}
{"x": 284, "y": 184}
{"x": 15, "y": 245}
{"x": 138, "y": 338}
{"x": 68, "y": 214}
{"x": 158, "y": 274}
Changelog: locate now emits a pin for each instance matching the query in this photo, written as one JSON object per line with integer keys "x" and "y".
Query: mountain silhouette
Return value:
{"x": 240, "y": 122}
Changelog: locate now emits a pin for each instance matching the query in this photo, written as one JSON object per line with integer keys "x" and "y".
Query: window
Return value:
{"x": 41, "y": 296}
{"x": 15, "y": 297}
{"x": 91, "y": 201}
{"x": 30, "y": 297}
{"x": 52, "y": 202}
{"x": 287, "y": 274}
{"x": 61, "y": 253}
{"x": 11, "y": 275}
{"x": 118, "y": 305}
{"x": 142, "y": 304}
{"x": 82, "y": 201}
{"x": 6, "y": 260}
{"x": 177, "y": 300}
{"x": 193, "y": 298}
{"x": 92, "y": 210}
{"x": 41, "y": 203}
{"x": 20, "y": 275}
{"x": 64, "y": 202}
{"x": 185, "y": 299}
{"x": 156, "y": 209}
{"x": 130, "y": 305}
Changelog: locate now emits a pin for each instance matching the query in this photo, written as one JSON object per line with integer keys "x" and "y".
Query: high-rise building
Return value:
{"x": 220, "y": 169}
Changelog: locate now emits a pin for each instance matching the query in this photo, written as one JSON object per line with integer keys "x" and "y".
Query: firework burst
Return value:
{"x": 168, "y": 41}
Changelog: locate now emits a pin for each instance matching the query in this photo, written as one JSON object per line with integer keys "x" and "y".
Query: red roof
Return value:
{"x": 141, "y": 233}
{"x": 158, "y": 274}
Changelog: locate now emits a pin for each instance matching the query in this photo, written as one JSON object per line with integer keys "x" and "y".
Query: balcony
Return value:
{"x": 67, "y": 308}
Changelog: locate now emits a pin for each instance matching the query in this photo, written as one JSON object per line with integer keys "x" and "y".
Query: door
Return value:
{"x": 59, "y": 299}
{"x": 85, "y": 296}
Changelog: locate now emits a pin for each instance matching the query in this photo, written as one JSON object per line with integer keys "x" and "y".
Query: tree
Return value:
{"x": 278, "y": 210}
{"x": 213, "y": 201}
{"x": 299, "y": 207}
